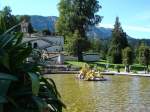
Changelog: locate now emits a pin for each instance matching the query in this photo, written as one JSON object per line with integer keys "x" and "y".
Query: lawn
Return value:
{"x": 102, "y": 65}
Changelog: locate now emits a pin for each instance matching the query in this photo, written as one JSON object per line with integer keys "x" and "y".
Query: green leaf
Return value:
{"x": 35, "y": 83}
{"x": 2, "y": 100}
{"x": 11, "y": 29}
{"x": 51, "y": 94}
{"x": 50, "y": 84}
{"x": 19, "y": 38}
{"x": 56, "y": 103}
{"x": 4, "y": 58}
{"x": 40, "y": 103}
{"x": 6, "y": 40}
{"x": 5, "y": 76}
{"x": 5, "y": 81}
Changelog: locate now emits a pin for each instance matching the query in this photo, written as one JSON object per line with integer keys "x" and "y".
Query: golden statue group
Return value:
{"x": 86, "y": 73}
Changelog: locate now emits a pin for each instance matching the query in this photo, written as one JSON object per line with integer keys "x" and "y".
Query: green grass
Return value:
{"x": 137, "y": 67}
{"x": 102, "y": 65}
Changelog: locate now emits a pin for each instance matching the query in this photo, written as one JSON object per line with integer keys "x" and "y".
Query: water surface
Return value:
{"x": 118, "y": 94}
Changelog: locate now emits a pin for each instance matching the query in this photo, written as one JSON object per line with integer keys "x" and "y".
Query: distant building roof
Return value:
{"x": 45, "y": 42}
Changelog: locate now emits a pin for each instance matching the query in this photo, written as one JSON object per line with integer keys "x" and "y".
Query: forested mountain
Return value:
{"x": 40, "y": 23}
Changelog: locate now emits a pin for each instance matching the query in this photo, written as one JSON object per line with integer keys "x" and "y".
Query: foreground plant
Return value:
{"x": 22, "y": 88}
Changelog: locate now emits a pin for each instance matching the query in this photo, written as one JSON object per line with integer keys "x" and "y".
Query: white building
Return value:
{"x": 91, "y": 57}
{"x": 48, "y": 43}
{"x": 52, "y": 45}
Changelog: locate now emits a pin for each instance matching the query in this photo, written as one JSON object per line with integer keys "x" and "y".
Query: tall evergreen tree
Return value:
{"x": 77, "y": 15}
{"x": 30, "y": 29}
{"x": 7, "y": 20}
{"x": 118, "y": 43}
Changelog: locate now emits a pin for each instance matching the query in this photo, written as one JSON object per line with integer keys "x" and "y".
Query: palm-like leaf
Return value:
{"x": 35, "y": 83}
{"x": 30, "y": 92}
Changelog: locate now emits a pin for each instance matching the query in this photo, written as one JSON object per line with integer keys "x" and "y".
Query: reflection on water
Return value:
{"x": 118, "y": 94}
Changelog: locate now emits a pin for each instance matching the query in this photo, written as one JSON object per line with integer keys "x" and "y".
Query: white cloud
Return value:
{"x": 137, "y": 28}
{"x": 105, "y": 25}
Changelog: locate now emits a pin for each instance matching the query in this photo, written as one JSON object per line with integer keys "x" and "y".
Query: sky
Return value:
{"x": 134, "y": 15}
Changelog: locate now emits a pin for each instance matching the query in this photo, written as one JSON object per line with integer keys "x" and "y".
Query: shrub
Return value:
{"x": 22, "y": 88}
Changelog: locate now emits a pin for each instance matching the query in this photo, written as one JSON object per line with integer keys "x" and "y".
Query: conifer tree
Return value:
{"x": 118, "y": 43}
{"x": 7, "y": 20}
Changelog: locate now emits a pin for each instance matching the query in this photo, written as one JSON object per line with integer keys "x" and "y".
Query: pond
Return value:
{"x": 118, "y": 94}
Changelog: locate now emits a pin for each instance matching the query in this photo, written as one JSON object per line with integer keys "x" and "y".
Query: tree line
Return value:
{"x": 75, "y": 19}
{"x": 76, "y": 16}
{"x": 8, "y": 20}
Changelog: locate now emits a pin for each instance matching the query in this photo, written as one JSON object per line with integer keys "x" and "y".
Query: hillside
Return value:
{"x": 40, "y": 23}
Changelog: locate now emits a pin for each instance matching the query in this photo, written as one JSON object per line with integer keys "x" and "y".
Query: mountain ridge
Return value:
{"x": 48, "y": 22}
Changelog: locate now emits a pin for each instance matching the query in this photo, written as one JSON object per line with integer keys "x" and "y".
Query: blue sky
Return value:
{"x": 134, "y": 14}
